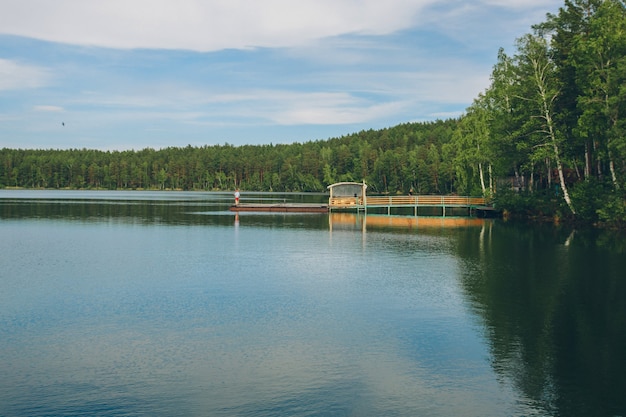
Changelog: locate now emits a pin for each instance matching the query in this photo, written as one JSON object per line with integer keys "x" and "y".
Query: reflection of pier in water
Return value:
{"x": 353, "y": 221}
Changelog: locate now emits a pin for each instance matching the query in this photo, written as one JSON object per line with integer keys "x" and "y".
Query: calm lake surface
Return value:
{"x": 167, "y": 304}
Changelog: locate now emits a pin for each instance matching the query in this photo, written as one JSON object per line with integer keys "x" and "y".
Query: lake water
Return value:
{"x": 167, "y": 304}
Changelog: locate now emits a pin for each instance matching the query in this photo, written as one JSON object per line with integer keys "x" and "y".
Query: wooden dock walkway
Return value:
{"x": 411, "y": 201}
{"x": 474, "y": 205}
{"x": 281, "y": 207}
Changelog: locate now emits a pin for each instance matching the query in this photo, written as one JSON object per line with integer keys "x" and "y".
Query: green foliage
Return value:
{"x": 391, "y": 160}
{"x": 525, "y": 204}
{"x": 588, "y": 197}
{"x": 599, "y": 202}
{"x": 613, "y": 210}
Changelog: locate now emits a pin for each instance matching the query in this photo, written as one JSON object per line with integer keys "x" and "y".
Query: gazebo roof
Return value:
{"x": 339, "y": 184}
{"x": 345, "y": 189}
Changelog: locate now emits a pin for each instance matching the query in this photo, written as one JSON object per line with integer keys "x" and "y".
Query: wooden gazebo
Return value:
{"x": 347, "y": 195}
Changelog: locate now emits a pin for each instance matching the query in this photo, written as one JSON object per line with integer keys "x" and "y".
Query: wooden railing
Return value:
{"x": 407, "y": 201}
{"x": 345, "y": 202}
{"x": 425, "y": 200}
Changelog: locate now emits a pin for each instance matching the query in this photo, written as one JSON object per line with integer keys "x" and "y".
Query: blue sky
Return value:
{"x": 131, "y": 74}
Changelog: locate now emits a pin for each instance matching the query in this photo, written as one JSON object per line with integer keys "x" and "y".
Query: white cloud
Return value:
{"x": 17, "y": 76}
{"x": 276, "y": 107}
{"x": 488, "y": 24}
{"x": 520, "y": 4}
{"x": 456, "y": 85}
{"x": 202, "y": 25}
{"x": 443, "y": 115}
{"x": 48, "y": 108}
{"x": 327, "y": 108}
{"x": 208, "y": 25}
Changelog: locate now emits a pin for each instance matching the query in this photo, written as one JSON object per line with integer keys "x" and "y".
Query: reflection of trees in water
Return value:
{"x": 143, "y": 212}
{"x": 554, "y": 315}
{"x": 166, "y": 212}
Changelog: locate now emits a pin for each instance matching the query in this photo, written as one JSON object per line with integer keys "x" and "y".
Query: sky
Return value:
{"x": 135, "y": 74}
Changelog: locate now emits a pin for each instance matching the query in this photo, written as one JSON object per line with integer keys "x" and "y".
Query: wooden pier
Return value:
{"x": 365, "y": 203}
{"x": 281, "y": 208}
{"x": 352, "y": 196}
{"x": 474, "y": 205}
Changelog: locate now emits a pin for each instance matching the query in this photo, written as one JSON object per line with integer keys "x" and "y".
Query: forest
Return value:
{"x": 546, "y": 138}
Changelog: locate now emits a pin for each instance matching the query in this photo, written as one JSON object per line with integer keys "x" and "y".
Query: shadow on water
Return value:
{"x": 552, "y": 304}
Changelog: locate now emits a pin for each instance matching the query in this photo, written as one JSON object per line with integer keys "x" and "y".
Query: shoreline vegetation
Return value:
{"x": 546, "y": 139}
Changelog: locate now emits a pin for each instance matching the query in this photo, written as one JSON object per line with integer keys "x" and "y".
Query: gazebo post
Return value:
{"x": 364, "y": 196}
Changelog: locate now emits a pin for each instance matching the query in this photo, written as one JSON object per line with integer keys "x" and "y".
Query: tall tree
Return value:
{"x": 566, "y": 29}
{"x": 599, "y": 57}
{"x": 473, "y": 140}
{"x": 539, "y": 87}
{"x": 505, "y": 124}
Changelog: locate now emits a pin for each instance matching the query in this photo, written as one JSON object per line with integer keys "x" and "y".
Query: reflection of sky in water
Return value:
{"x": 179, "y": 320}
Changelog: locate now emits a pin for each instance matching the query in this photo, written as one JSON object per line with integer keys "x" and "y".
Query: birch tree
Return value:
{"x": 539, "y": 88}
{"x": 566, "y": 29}
{"x": 505, "y": 124}
{"x": 473, "y": 143}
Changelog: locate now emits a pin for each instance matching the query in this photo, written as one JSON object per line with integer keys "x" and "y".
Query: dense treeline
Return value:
{"x": 551, "y": 126}
{"x": 390, "y": 160}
